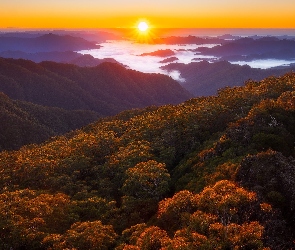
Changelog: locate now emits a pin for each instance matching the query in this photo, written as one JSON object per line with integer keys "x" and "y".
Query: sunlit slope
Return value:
{"x": 212, "y": 172}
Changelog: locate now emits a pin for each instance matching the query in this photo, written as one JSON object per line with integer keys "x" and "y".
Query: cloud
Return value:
{"x": 175, "y": 74}
{"x": 265, "y": 63}
{"x": 128, "y": 53}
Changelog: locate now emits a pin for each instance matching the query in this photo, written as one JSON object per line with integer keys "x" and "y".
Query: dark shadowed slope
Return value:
{"x": 107, "y": 89}
{"x": 204, "y": 78}
{"x": 57, "y": 56}
{"x": 23, "y": 122}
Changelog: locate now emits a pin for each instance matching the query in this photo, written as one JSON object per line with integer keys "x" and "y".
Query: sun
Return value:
{"x": 142, "y": 26}
{"x": 142, "y": 31}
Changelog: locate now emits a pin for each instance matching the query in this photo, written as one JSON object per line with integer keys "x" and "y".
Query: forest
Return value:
{"x": 26, "y": 123}
{"x": 106, "y": 89}
{"x": 41, "y": 100}
{"x": 215, "y": 172}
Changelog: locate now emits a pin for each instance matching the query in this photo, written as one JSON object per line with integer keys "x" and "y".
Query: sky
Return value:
{"x": 158, "y": 13}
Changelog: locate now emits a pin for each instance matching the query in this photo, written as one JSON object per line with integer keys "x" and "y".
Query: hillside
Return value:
{"x": 106, "y": 89}
{"x": 70, "y": 57}
{"x": 214, "y": 172}
{"x": 25, "y": 123}
{"x": 205, "y": 79}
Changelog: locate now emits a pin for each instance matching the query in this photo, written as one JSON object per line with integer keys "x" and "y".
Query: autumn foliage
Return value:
{"x": 211, "y": 173}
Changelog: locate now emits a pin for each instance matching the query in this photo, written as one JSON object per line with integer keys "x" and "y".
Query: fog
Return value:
{"x": 265, "y": 63}
{"x": 129, "y": 54}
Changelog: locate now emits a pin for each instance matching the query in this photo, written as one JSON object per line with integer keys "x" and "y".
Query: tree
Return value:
{"x": 26, "y": 218}
{"x": 84, "y": 235}
{"x": 151, "y": 238}
{"x": 172, "y": 211}
{"x": 225, "y": 199}
{"x": 234, "y": 236}
{"x": 146, "y": 180}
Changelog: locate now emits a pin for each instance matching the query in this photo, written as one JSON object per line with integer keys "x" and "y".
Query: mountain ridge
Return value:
{"x": 205, "y": 79}
{"x": 72, "y": 96}
{"x": 107, "y": 88}
{"x": 45, "y": 43}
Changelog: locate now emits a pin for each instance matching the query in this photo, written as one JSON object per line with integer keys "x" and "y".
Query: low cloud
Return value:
{"x": 128, "y": 53}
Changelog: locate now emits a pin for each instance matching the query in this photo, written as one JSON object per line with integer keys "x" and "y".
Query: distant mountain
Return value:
{"x": 271, "y": 46}
{"x": 228, "y": 37}
{"x": 88, "y": 60}
{"x": 106, "y": 89}
{"x": 89, "y": 35}
{"x": 55, "y": 56}
{"x": 25, "y": 123}
{"x": 160, "y": 53}
{"x": 169, "y": 59}
{"x": 281, "y": 54}
{"x": 45, "y": 43}
{"x": 204, "y": 78}
{"x": 187, "y": 40}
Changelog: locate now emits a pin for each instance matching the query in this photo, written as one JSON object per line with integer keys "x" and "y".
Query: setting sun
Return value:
{"x": 143, "y": 31}
{"x": 142, "y": 26}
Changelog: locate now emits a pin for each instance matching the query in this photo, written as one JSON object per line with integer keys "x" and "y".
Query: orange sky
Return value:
{"x": 159, "y": 13}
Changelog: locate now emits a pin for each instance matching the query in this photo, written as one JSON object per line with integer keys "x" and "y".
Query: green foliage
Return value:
{"x": 146, "y": 180}
{"x": 25, "y": 123}
{"x": 272, "y": 175}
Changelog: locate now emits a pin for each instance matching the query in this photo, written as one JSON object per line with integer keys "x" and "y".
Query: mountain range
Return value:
{"x": 250, "y": 48}
{"x": 69, "y": 57}
{"x": 205, "y": 79}
{"x": 62, "y": 89}
{"x": 45, "y": 43}
{"x": 60, "y": 46}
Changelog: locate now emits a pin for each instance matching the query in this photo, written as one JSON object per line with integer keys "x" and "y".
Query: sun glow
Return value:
{"x": 142, "y": 26}
{"x": 142, "y": 31}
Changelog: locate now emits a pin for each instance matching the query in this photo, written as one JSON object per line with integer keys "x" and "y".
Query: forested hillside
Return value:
{"x": 48, "y": 99}
{"x": 25, "y": 123}
{"x": 106, "y": 89}
{"x": 70, "y": 57}
{"x": 211, "y": 173}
